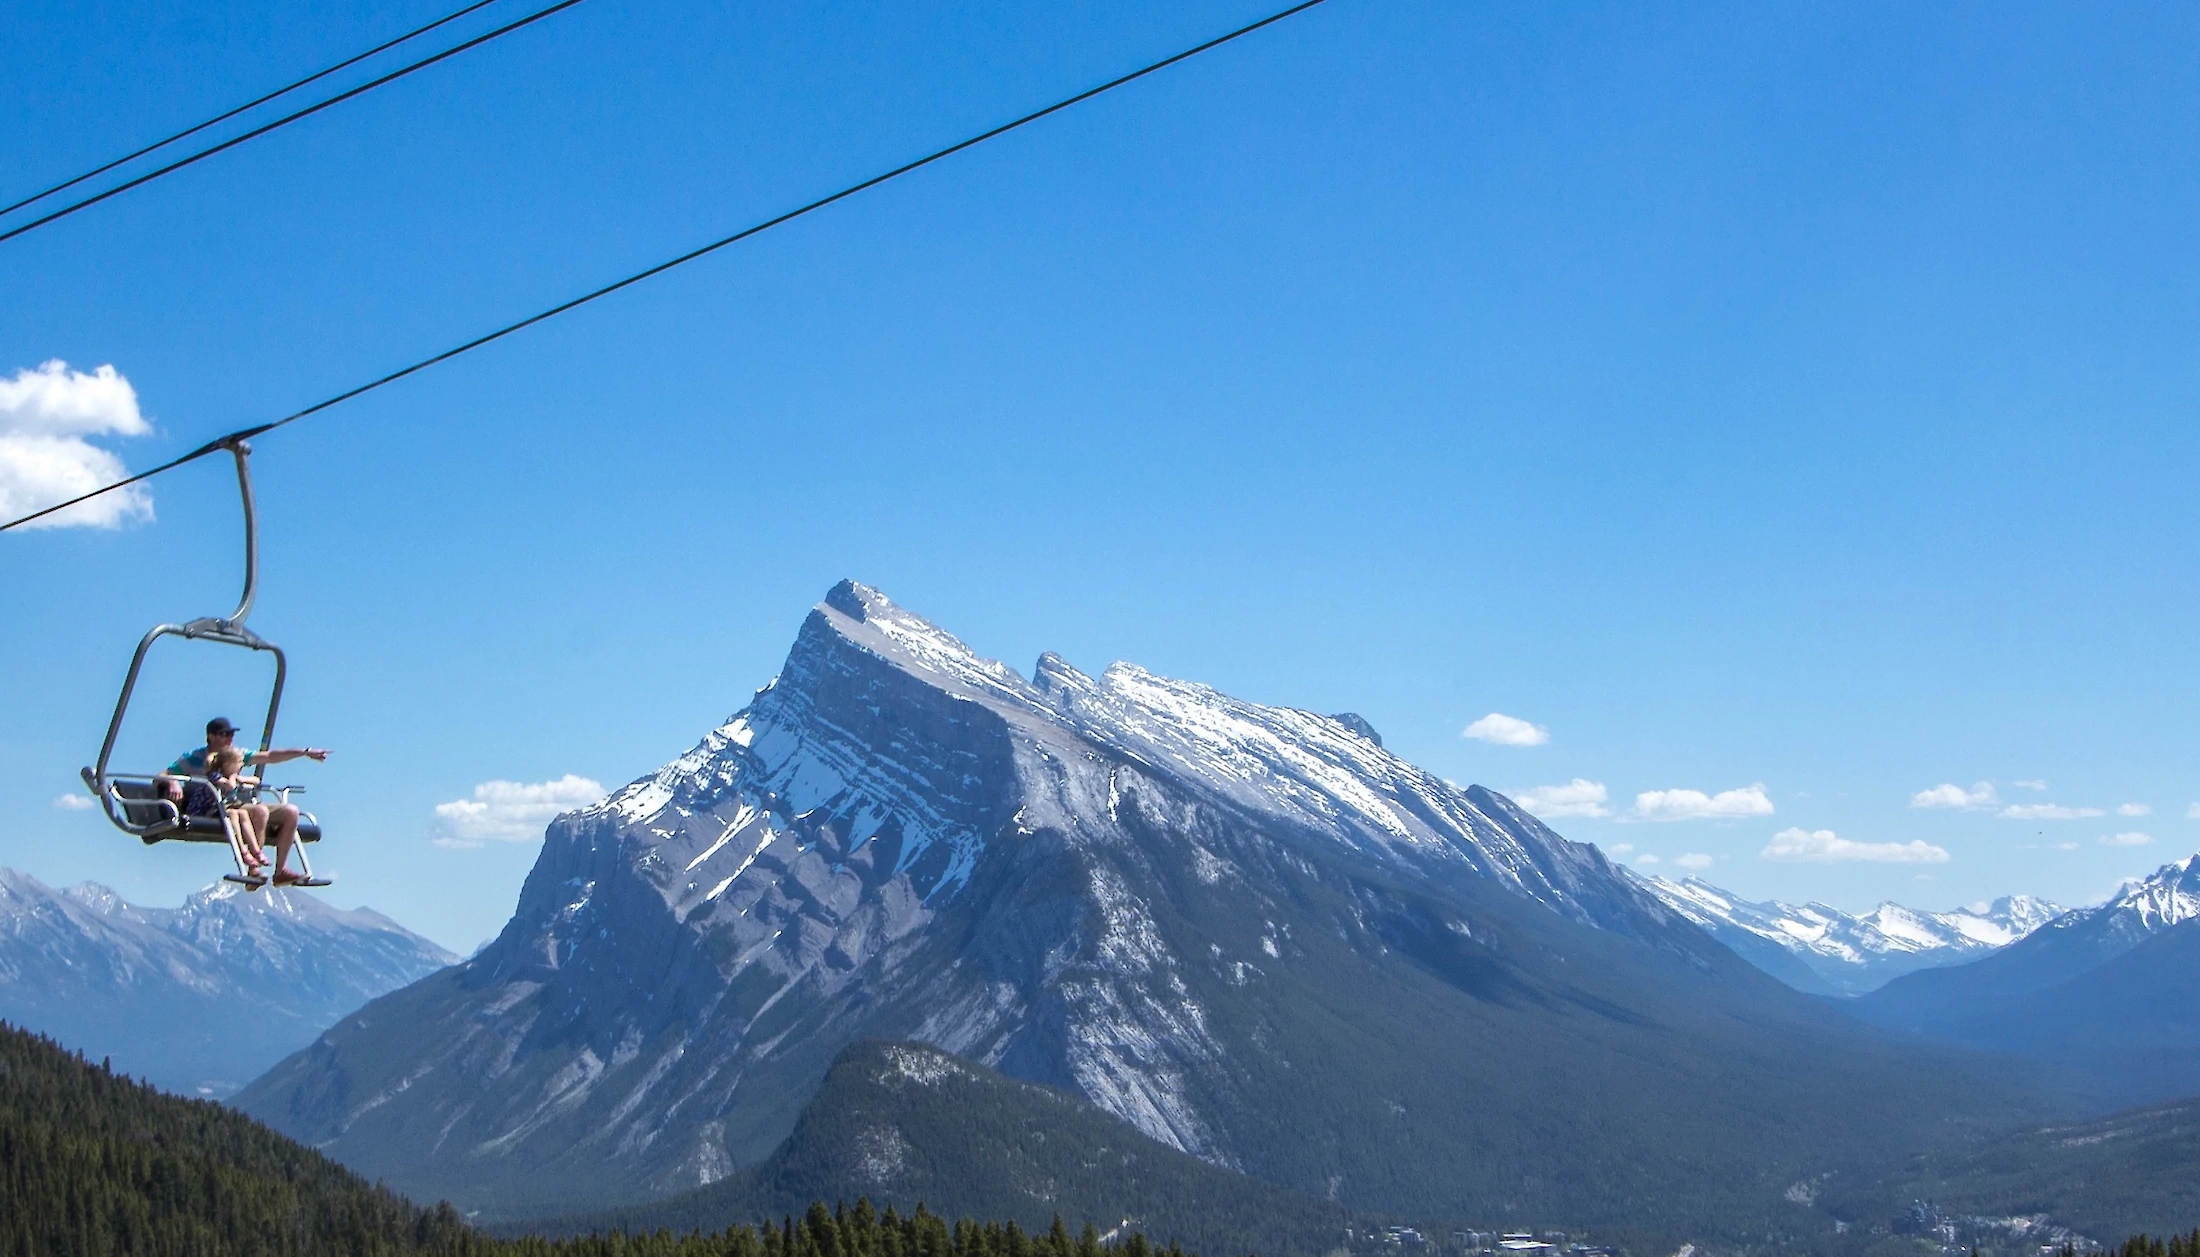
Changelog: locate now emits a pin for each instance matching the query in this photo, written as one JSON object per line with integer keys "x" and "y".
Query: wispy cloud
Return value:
{"x": 2048, "y": 812}
{"x": 2133, "y": 839}
{"x": 2192, "y": 811}
{"x": 1949, "y": 794}
{"x": 45, "y": 414}
{"x": 2133, "y": 809}
{"x": 510, "y": 811}
{"x": 1646, "y": 858}
{"x": 1579, "y": 797}
{"x": 1695, "y": 805}
{"x": 1823, "y": 846}
{"x": 1620, "y": 848}
{"x": 1504, "y": 730}
{"x": 2030, "y": 783}
{"x": 75, "y": 803}
{"x": 1693, "y": 860}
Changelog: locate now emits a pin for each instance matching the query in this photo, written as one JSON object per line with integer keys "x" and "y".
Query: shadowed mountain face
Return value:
{"x": 2111, "y": 993}
{"x": 1247, "y": 931}
{"x": 905, "y": 1125}
{"x": 200, "y": 998}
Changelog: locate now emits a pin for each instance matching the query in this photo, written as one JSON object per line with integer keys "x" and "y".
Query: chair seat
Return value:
{"x": 140, "y": 806}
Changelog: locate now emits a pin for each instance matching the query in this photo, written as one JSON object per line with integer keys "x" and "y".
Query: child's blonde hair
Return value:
{"x": 226, "y": 760}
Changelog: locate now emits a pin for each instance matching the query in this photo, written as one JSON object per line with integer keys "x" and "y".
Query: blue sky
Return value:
{"x": 1745, "y": 395}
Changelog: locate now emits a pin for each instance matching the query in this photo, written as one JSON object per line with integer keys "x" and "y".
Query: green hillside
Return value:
{"x": 905, "y": 1124}
{"x": 2135, "y": 1171}
{"x": 93, "y": 1162}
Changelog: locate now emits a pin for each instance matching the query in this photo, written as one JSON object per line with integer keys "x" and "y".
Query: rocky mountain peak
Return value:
{"x": 96, "y": 897}
{"x": 1358, "y": 724}
{"x": 887, "y": 736}
{"x": 2169, "y": 895}
{"x": 199, "y": 997}
{"x": 865, "y": 619}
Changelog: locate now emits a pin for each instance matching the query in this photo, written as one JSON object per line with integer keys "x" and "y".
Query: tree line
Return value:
{"x": 2149, "y": 1246}
{"x": 96, "y": 1163}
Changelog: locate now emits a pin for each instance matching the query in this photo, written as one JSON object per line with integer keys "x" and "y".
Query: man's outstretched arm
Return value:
{"x": 285, "y": 754}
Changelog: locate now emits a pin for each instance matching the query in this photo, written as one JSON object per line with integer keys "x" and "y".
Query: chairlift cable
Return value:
{"x": 285, "y": 120}
{"x": 223, "y": 442}
{"x": 249, "y": 105}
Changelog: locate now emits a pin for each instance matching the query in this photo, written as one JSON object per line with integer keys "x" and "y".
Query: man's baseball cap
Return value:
{"x": 220, "y": 724}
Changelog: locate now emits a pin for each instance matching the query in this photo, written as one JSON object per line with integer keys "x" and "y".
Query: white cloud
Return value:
{"x": 2047, "y": 812}
{"x": 1693, "y": 860}
{"x": 1506, "y": 730}
{"x": 510, "y": 811}
{"x": 2133, "y": 809}
{"x": 2125, "y": 840}
{"x": 1823, "y": 846}
{"x": 2192, "y": 811}
{"x": 2062, "y": 846}
{"x": 1579, "y": 797}
{"x": 2031, "y": 783}
{"x": 1620, "y": 848}
{"x": 1646, "y": 858}
{"x": 1949, "y": 794}
{"x": 1695, "y": 805}
{"x": 75, "y": 803}
{"x": 45, "y": 414}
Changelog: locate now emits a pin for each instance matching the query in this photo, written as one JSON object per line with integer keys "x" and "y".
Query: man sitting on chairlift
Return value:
{"x": 278, "y": 823}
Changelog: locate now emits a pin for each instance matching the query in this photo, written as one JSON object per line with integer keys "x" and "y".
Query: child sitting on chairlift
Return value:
{"x": 224, "y": 769}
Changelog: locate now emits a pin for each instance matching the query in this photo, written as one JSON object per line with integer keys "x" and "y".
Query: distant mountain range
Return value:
{"x": 1827, "y": 951}
{"x": 198, "y": 999}
{"x": 2110, "y": 992}
{"x": 1248, "y": 932}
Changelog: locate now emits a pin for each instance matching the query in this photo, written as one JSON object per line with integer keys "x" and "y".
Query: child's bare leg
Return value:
{"x": 249, "y": 834}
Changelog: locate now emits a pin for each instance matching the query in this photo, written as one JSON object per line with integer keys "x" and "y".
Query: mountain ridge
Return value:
{"x": 2111, "y": 991}
{"x": 1819, "y": 948}
{"x": 200, "y": 998}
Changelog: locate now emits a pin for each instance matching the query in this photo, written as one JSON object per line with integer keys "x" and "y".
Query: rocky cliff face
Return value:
{"x": 1250, "y": 932}
{"x": 200, "y": 998}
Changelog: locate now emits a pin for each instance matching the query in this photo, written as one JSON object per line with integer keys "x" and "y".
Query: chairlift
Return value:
{"x": 135, "y": 802}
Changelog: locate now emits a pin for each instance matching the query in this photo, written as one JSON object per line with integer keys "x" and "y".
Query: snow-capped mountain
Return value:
{"x": 2111, "y": 991}
{"x": 1248, "y": 931}
{"x": 200, "y": 998}
{"x": 1824, "y": 950}
{"x": 2149, "y": 905}
{"x": 1319, "y": 774}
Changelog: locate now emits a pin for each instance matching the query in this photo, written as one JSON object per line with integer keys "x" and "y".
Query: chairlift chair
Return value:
{"x": 134, "y": 802}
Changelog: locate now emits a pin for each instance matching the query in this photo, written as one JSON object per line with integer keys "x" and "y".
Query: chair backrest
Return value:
{"x": 148, "y": 812}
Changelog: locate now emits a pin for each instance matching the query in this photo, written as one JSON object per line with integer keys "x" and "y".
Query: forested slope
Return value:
{"x": 94, "y": 1162}
{"x": 2133, "y": 1171}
